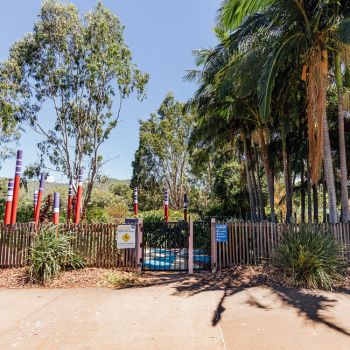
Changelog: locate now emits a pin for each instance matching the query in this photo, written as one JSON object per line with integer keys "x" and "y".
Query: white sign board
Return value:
{"x": 126, "y": 236}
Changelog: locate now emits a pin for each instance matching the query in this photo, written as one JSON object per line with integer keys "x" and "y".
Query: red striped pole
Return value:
{"x": 79, "y": 197}
{"x": 69, "y": 204}
{"x": 16, "y": 186}
{"x": 166, "y": 205}
{"x": 136, "y": 202}
{"x": 8, "y": 206}
{"x": 40, "y": 197}
{"x": 56, "y": 208}
{"x": 185, "y": 207}
{"x": 35, "y": 201}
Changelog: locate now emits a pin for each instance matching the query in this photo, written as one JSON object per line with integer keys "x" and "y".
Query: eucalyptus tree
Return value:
{"x": 79, "y": 67}
{"x": 9, "y": 120}
{"x": 164, "y": 150}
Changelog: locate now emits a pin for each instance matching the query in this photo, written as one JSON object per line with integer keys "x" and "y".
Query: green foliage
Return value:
{"x": 158, "y": 215}
{"x": 122, "y": 280}
{"x": 110, "y": 201}
{"x": 162, "y": 158}
{"x": 50, "y": 255}
{"x": 81, "y": 67}
{"x": 310, "y": 258}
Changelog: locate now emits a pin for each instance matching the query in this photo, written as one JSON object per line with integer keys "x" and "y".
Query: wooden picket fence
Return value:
{"x": 96, "y": 243}
{"x": 252, "y": 244}
{"x": 248, "y": 244}
{"x": 14, "y": 244}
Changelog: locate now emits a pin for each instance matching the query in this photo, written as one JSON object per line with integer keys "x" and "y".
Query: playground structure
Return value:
{"x": 74, "y": 203}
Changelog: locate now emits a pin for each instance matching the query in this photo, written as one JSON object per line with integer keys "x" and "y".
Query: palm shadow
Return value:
{"x": 310, "y": 306}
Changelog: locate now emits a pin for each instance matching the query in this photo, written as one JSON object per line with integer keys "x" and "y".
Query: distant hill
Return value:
{"x": 51, "y": 187}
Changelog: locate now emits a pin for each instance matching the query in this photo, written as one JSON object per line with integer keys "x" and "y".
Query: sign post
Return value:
{"x": 139, "y": 242}
{"x": 190, "y": 248}
{"x": 213, "y": 246}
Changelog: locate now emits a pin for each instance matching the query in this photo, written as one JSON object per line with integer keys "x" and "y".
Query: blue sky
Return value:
{"x": 161, "y": 35}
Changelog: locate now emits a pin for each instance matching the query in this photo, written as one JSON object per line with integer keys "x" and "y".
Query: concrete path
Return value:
{"x": 173, "y": 316}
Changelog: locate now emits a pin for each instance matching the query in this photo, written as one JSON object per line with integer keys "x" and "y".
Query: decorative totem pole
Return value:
{"x": 166, "y": 205}
{"x": 136, "y": 202}
{"x": 8, "y": 206}
{"x": 79, "y": 198}
{"x": 16, "y": 186}
{"x": 40, "y": 198}
{"x": 69, "y": 204}
{"x": 35, "y": 201}
{"x": 185, "y": 207}
{"x": 56, "y": 208}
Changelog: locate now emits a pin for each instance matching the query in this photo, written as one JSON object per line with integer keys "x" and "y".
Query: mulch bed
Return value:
{"x": 235, "y": 277}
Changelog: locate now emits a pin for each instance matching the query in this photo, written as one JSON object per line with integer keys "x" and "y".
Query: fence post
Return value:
{"x": 213, "y": 246}
{"x": 190, "y": 247}
{"x": 139, "y": 241}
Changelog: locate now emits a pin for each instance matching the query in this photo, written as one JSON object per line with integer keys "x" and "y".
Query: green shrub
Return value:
{"x": 122, "y": 280}
{"x": 50, "y": 255}
{"x": 158, "y": 215}
{"x": 309, "y": 258}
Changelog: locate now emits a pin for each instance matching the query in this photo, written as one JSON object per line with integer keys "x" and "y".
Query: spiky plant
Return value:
{"x": 50, "y": 254}
{"x": 310, "y": 258}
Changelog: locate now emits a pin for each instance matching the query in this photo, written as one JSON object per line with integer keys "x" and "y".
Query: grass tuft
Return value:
{"x": 123, "y": 279}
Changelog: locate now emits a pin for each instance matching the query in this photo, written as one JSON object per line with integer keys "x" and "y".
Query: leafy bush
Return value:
{"x": 158, "y": 215}
{"x": 50, "y": 254}
{"x": 310, "y": 258}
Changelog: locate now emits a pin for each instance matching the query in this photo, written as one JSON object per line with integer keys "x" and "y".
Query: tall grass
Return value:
{"x": 310, "y": 258}
{"x": 50, "y": 254}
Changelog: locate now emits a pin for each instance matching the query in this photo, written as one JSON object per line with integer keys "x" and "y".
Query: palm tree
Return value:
{"x": 299, "y": 31}
{"x": 342, "y": 149}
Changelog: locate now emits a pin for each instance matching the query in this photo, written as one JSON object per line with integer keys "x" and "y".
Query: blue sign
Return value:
{"x": 221, "y": 233}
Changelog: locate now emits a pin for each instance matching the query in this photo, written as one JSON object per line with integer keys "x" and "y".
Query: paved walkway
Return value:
{"x": 173, "y": 316}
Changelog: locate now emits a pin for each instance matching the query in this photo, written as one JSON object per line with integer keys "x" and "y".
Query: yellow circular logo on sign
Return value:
{"x": 126, "y": 238}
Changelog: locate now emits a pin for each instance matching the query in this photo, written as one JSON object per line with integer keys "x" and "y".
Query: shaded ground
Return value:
{"x": 238, "y": 309}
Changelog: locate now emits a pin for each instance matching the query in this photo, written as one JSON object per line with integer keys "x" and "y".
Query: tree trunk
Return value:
{"x": 324, "y": 200}
{"x": 287, "y": 179}
{"x": 329, "y": 174}
{"x": 344, "y": 195}
{"x": 256, "y": 195}
{"x": 260, "y": 193}
{"x": 315, "y": 197}
{"x": 309, "y": 197}
{"x": 268, "y": 174}
{"x": 302, "y": 192}
{"x": 249, "y": 184}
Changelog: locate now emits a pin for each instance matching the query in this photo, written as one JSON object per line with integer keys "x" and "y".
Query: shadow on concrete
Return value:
{"x": 308, "y": 305}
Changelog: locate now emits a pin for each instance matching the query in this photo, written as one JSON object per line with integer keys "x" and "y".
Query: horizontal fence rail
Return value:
{"x": 253, "y": 244}
{"x": 96, "y": 243}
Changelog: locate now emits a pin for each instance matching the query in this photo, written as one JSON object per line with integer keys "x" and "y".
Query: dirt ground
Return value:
{"x": 176, "y": 312}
